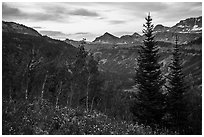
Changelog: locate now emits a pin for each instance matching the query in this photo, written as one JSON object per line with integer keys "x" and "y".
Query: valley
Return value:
{"x": 61, "y": 86}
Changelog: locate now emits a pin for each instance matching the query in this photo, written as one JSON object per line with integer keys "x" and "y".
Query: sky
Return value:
{"x": 77, "y": 20}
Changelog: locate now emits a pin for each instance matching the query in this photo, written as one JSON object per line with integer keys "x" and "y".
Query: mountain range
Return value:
{"x": 125, "y": 39}
{"x": 187, "y": 30}
{"x": 117, "y": 55}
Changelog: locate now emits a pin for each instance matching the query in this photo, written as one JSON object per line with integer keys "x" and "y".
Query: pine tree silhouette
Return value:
{"x": 149, "y": 104}
{"x": 176, "y": 90}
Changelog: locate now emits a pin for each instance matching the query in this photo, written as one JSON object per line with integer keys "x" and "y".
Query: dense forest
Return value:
{"x": 51, "y": 87}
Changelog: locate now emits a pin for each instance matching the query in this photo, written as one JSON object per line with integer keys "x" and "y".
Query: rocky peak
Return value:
{"x": 190, "y": 22}
{"x": 189, "y": 25}
{"x": 107, "y": 38}
{"x": 108, "y": 35}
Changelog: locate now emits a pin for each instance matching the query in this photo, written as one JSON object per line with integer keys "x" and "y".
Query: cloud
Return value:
{"x": 122, "y": 33}
{"x": 81, "y": 33}
{"x": 84, "y": 12}
{"x": 9, "y": 12}
{"x": 117, "y": 22}
{"x": 137, "y": 6}
{"x": 160, "y": 11}
{"x": 55, "y": 12}
{"x": 45, "y": 17}
{"x": 53, "y": 33}
{"x": 37, "y": 27}
{"x": 147, "y": 6}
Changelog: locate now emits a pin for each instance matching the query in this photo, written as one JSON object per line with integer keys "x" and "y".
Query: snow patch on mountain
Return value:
{"x": 181, "y": 26}
{"x": 196, "y": 28}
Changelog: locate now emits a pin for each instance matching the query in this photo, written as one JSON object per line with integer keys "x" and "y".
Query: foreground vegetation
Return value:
{"x": 42, "y": 118}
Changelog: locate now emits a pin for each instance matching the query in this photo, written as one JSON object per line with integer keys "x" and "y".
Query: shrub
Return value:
{"x": 40, "y": 117}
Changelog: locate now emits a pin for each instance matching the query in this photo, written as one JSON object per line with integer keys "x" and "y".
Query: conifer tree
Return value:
{"x": 176, "y": 91}
{"x": 79, "y": 74}
{"x": 94, "y": 82}
{"x": 149, "y": 103}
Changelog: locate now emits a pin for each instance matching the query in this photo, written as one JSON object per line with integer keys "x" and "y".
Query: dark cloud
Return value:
{"x": 117, "y": 22}
{"x": 52, "y": 33}
{"x": 10, "y": 11}
{"x": 37, "y": 27}
{"x": 81, "y": 33}
{"x": 15, "y": 13}
{"x": 48, "y": 12}
{"x": 84, "y": 12}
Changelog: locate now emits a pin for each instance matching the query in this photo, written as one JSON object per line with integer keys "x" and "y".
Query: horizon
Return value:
{"x": 89, "y": 20}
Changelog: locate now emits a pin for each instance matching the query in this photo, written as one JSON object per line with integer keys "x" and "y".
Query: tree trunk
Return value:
{"x": 10, "y": 92}
{"x": 43, "y": 87}
{"x": 70, "y": 101}
{"x": 87, "y": 93}
{"x": 58, "y": 93}
{"x": 26, "y": 91}
{"x": 27, "y": 73}
{"x": 92, "y": 103}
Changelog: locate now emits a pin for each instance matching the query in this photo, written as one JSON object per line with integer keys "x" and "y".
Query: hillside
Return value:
{"x": 24, "y": 52}
{"x": 13, "y": 27}
{"x": 121, "y": 61}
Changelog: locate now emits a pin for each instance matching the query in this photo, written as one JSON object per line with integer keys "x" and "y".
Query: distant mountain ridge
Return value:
{"x": 187, "y": 30}
{"x": 109, "y": 38}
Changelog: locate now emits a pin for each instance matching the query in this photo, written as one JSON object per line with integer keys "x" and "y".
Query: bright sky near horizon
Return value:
{"x": 75, "y": 20}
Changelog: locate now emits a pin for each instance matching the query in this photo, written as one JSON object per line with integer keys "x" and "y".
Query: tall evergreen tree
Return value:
{"x": 79, "y": 75}
{"x": 149, "y": 103}
{"x": 176, "y": 91}
{"x": 94, "y": 81}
